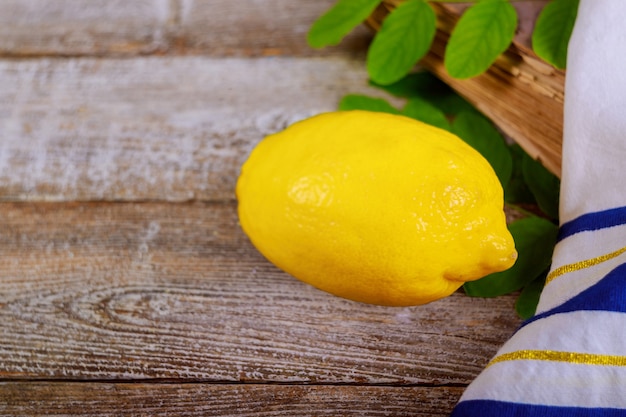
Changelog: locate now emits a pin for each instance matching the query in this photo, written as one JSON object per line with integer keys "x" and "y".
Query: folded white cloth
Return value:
{"x": 570, "y": 358}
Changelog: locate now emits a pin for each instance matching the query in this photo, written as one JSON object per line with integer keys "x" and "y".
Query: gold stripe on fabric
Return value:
{"x": 558, "y": 356}
{"x": 582, "y": 264}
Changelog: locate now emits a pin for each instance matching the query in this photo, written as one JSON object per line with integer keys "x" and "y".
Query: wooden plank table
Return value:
{"x": 126, "y": 284}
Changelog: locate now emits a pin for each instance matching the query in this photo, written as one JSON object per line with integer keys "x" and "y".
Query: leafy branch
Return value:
{"x": 481, "y": 35}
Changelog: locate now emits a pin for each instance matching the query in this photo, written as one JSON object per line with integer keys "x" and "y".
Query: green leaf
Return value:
{"x": 553, "y": 29}
{"x": 526, "y": 304}
{"x": 415, "y": 84}
{"x": 331, "y": 27}
{"x": 534, "y": 240}
{"x": 360, "y": 102}
{"x": 544, "y": 185}
{"x": 517, "y": 191}
{"x": 404, "y": 37}
{"x": 425, "y": 85}
{"x": 480, "y": 133}
{"x": 426, "y": 112}
{"x": 482, "y": 33}
{"x": 451, "y": 103}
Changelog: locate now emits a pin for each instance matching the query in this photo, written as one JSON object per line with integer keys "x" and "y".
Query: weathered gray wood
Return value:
{"x": 152, "y": 128}
{"x": 225, "y": 27}
{"x": 114, "y": 291}
{"x": 139, "y": 27}
{"x": 92, "y": 27}
{"x": 198, "y": 399}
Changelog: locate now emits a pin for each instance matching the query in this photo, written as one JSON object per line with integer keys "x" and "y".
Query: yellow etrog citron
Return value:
{"x": 374, "y": 207}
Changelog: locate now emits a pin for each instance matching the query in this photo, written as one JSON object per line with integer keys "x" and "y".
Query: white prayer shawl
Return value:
{"x": 570, "y": 358}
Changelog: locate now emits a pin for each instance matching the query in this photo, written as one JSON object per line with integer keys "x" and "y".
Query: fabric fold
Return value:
{"x": 570, "y": 358}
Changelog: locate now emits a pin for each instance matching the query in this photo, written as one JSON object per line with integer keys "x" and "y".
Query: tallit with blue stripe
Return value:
{"x": 569, "y": 360}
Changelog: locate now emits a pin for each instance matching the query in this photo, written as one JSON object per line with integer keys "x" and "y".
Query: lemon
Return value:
{"x": 374, "y": 207}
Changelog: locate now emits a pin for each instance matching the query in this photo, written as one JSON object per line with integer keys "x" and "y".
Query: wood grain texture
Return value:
{"x": 126, "y": 284}
{"x": 175, "y": 291}
{"x": 121, "y": 28}
{"x": 198, "y": 399}
{"x": 152, "y": 128}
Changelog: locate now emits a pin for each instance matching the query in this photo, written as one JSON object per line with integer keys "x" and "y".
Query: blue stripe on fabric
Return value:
{"x": 593, "y": 221}
{"x": 609, "y": 294}
{"x": 491, "y": 408}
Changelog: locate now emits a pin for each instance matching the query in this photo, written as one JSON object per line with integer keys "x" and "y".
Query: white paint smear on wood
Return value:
{"x": 152, "y": 128}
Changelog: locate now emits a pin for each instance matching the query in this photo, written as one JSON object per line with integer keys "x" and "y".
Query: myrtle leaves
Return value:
{"x": 484, "y": 31}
